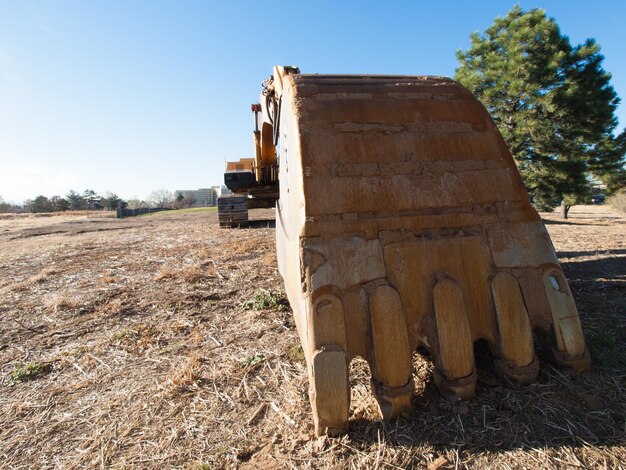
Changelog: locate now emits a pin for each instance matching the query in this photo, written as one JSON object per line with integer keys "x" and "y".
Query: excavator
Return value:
{"x": 402, "y": 225}
{"x": 254, "y": 181}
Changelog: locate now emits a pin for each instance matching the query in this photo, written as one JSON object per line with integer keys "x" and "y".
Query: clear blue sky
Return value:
{"x": 131, "y": 96}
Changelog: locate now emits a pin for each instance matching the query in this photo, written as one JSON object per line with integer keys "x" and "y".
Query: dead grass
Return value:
{"x": 28, "y": 282}
{"x": 107, "y": 277}
{"x": 59, "y": 301}
{"x": 187, "y": 374}
{"x": 190, "y": 274}
{"x": 168, "y": 351}
{"x": 112, "y": 307}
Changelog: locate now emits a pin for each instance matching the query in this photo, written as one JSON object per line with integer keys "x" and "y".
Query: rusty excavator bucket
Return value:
{"x": 401, "y": 223}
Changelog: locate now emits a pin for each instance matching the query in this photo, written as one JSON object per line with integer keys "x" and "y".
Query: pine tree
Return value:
{"x": 552, "y": 102}
{"x": 74, "y": 199}
{"x": 112, "y": 201}
{"x": 91, "y": 200}
{"x": 41, "y": 204}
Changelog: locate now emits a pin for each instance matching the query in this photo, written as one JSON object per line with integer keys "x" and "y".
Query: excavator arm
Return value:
{"x": 254, "y": 181}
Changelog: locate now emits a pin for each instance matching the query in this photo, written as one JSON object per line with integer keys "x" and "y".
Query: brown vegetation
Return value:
{"x": 164, "y": 341}
{"x": 618, "y": 201}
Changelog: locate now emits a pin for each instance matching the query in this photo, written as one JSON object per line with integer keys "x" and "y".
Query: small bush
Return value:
{"x": 296, "y": 354}
{"x": 30, "y": 371}
{"x": 618, "y": 201}
{"x": 253, "y": 360}
{"x": 267, "y": 300}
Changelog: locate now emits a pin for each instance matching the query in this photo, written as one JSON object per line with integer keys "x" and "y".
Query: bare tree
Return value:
{"x": 137, "y": 204}
{"x": 161, "y": 198}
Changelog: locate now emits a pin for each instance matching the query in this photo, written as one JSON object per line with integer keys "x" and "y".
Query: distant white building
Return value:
{"x": 222, "y": 190}
{"x": 202, "y": 197}
{"x": 198, "y": 197}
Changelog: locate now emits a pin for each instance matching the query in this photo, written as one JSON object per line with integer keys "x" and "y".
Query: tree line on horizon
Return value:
{"x": 89, "y": 200}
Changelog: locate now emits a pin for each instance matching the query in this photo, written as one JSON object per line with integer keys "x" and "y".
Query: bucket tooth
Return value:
{"x": 517, "y": 361}
{"x": 456, "y": 375}
{"x": 327, "y": 323}
{"x": 392, "y": 383}
{"x": 329, "y": 391}
{"x": 569, "y": 342}
{"x": 329, "y": 388}
{"x": 355, "y": 302}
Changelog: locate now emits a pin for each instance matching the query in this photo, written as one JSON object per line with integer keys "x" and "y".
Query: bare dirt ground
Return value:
{"x": 165, "y": 342}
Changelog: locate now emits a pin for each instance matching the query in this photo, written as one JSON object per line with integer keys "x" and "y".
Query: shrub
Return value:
{"x": 267, "y": 300}
{"x": 31, "y": 371}
{"x": 618, "y": 200}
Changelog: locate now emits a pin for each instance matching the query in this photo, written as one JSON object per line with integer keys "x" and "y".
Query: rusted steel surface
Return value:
{"x": 403, "y": 223}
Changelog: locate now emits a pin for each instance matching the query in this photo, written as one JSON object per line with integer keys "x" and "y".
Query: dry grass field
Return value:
{"x": 165, "y": 342}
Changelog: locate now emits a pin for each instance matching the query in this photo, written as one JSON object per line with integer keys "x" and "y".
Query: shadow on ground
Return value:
{"x": 562, "y": 409}
{"x": 259, "y": 223}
